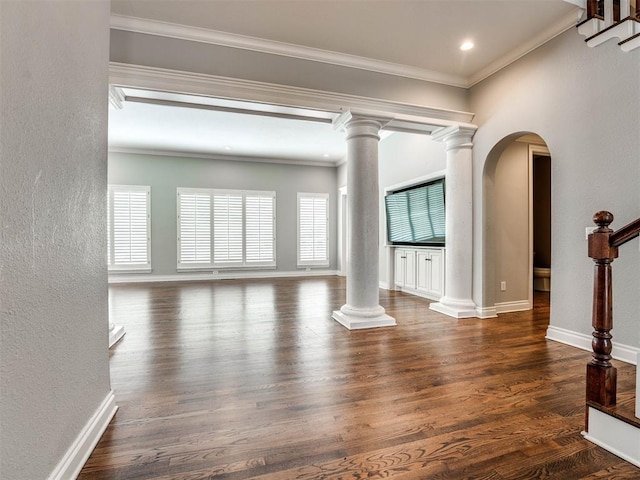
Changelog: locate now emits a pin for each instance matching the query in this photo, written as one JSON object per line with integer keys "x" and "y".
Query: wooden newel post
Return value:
{"x": 601, "y": 375}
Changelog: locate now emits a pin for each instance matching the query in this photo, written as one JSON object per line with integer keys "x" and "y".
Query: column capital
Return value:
{"x": 455, "y": 137}
{"x": 358, "y": 124}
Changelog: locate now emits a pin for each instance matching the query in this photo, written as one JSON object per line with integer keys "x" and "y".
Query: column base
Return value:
{"x": 358, "y": 319}
{"x": 115, "y": 334}
{"x": 455, "y": 308}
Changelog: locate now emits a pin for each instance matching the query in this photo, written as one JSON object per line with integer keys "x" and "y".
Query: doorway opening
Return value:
{"x": 541, "y": 221}
{"x": 517, "y": 223}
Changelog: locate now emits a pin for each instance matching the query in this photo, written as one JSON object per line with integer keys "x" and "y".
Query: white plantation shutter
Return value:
{"x": 227, "y": 228}
{"x": 129, "y": 227}
{"x": 194, "y": 227}
{"x": 259, "y": 220}
{"x": 313, "y": 229}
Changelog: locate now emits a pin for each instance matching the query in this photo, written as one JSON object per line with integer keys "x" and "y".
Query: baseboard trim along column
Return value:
{"x": 358, "y": 319}
{"x": 455, "y": 308}
{"x": 486, "y": 312}
{"x": 80, "y": 450}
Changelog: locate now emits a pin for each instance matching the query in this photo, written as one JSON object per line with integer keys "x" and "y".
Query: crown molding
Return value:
{"x": 215, "y": 156}
{"x": 116, "y": 97}
{"x": 565, "y": 23}
{"x": 153, "y": 78}
{"x": 232, "y": 40}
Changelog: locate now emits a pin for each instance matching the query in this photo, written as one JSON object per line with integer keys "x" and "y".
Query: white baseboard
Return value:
{"x": 624, "y": 353}
{"x": 487, "y": 312}
{"x": 454, "y": 310}
{"x": 614, "y": 435}
{"x": 356, "y": 322}
{"x": 77, "y": 455}
{"x": 191, "y": 277}
{"x": 384, "y": 285}
{"x": 417, "y": 293}
{"x": 518, "y": 306}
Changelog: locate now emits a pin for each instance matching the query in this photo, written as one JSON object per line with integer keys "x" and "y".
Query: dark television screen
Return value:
{"x": 416, "y": 216}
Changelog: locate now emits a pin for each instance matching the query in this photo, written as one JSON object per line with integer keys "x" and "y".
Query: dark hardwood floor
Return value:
{"x": 253, "y": 379}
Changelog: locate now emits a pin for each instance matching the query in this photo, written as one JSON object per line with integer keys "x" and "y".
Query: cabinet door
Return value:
{"x": 410, "y": 269}
{"x": 424, "y": 271}
{"x": 436, "y": 275}
{"x": 398, "y": 267}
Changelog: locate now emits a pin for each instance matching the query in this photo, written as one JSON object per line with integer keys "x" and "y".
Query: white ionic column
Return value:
{"x": 362, "y": 309}
{"x": 457, "y": 300}
{"x": 116, "y": 332}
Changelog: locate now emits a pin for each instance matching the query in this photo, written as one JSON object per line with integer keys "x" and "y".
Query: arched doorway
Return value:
{"x": 517, "y": 226}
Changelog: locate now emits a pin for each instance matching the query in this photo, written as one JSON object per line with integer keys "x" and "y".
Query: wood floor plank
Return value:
{"x": 253, "y": 379}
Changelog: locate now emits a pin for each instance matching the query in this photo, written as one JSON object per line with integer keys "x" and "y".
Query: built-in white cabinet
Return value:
{"x": 430, "y": 272}
{"x": 420, "y": 271}
{"x": 405, "y": 268}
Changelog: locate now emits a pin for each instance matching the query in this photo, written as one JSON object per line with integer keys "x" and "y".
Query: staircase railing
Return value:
{"x": 603, "y": 249}
{"x": 612, "y": 11}
{"x": 612, "y": 19}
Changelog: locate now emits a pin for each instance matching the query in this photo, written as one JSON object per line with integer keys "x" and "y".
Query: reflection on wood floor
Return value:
{"x": 253, "y": 379}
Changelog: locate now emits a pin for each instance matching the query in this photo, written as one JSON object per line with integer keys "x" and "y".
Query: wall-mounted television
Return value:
{"x": 416, "y": 215}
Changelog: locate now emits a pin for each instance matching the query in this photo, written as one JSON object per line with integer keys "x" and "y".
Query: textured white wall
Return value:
{"x": 53, "y": 297}
{"x": 585, "y": 104}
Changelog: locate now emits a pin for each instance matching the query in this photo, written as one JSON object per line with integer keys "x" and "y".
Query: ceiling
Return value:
{"x": 175, "y": 124}
{"x": 419, "y": 38}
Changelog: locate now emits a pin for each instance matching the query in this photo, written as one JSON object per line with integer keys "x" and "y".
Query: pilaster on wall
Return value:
{"x": 457, "y": 300}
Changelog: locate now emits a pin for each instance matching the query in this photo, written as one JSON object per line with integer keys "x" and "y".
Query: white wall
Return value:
{"x": 509, "y": 179}
{"x": 164, "y": 174}
{"x": 585, "y": 104}
{"x": 54, "y": 370}
{"x": 162, "y": 52}
{"x": 404, "y": 158}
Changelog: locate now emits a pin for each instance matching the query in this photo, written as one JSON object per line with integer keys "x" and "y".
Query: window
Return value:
{"x": 225, "y": 228}
{"x": 128, "y": 236}
{"x": 416, "y": 215}
{"x": 313, "y": 229}
{"x": 259, "y": 228}
{"x": 194, "y": 227}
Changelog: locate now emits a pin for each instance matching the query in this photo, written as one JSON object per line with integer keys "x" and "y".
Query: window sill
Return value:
{"x": 118, "y": 271}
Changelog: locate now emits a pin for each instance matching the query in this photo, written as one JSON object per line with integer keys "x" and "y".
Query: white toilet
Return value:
{"x": 541, "y": 279}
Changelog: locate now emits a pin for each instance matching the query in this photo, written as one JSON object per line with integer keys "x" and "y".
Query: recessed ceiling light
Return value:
{"x": 468, "y": 45}
{"x": 227, "y": 147}
{"x": 326, "y": 155}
